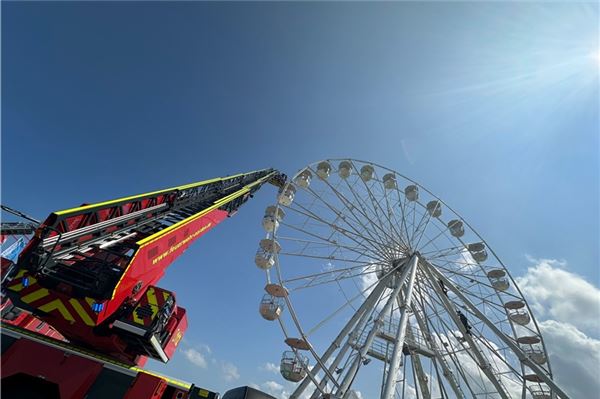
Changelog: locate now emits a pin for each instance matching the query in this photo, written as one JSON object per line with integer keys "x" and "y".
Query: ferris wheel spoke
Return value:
{"x": 402, "y": 205}
{"x": 329, "y": 277}
{"x": 335, "y": 228}
{"x": 322, "y": 245}
{"x": 449, "y": 331}
{"x": 342, "y": 217}
{"x": 361, "y": 294}
{"x": 440, "y": 319}
{"x": 475, "y": 350}
{"x": 376, "y": 204}
{"x": 450, "y": 375}
{"x": 370, "y": 221}
{"x": 390, "y": 217}
{"x": 470, "y": 283}
{"x": 349, "y": 234}
{"x": 418, "y": 233}
{"x": 539, "y": 371}
{"x": 442, "y": 232}
{"x": 349, "y": 205}
{"x": 362, "y": 250}
{"x": 456, "y": 305}
{"x": 356, "y": 323}
{"x": 444, "y": 329}
{"x": 503, "y": 361}
{"x": 324, "y": 258}
{"x": 393, "y": 220}
{"x": 444, "y": 252}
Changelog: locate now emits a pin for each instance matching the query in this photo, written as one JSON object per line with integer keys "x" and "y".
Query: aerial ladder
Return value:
{"x": 89, "y": 274}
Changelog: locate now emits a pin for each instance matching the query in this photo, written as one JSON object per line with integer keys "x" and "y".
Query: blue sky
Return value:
{"x": 492, "y": 106}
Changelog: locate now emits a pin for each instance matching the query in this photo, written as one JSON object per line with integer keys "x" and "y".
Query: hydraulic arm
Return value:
{"x": 91, "y": 271}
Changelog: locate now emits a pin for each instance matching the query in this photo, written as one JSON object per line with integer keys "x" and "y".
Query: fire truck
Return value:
{"x": 81, "y": 309}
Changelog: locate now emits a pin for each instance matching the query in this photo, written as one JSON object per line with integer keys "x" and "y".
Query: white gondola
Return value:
{"x": 478, "y": 251}
{"x": 536, "y": 354}
{"x": 411, "y": 192}
{"x": 434, "y": 208}
{"x": 366, "y": 172}
{"x": 265, "y": 255}
{"x": 345, "y": 169}
{"x": 272, "y": 217}
{"x": 539, "y": 392}
{"x": 298, "y": 343}
{"x": 276, "y": 290}
{"x": 514, "y": 305}
{"x": 293, "y": 367}
{"x": 529, "y": 340}
{"x": 498, "y": 279}
{"x": 519, "y": 316}
{"x": 533, "y": 378}
{"x": 286, "y": 196}
{"x": 271, "y": 307}
{"x": 303, "y": 178}
{"x": 456, "y": 228}
{"x": 389, "y": 181}
{"x": 323, "y": 170}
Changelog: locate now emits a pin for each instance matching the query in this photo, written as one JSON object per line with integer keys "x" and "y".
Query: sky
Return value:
{"x": 492, "y": 106}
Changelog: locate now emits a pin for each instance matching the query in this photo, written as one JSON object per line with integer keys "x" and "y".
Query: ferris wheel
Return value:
{"x": 380, "y": 286}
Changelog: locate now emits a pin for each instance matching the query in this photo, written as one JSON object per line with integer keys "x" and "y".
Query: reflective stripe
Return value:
{"x": 151, "y": 295}
{"x": 57, "y": 305}
{"x": 203, "y": 212}
{"x": 81, "y": 312}
{"x": 140, "y": 196}
{"x": 35, "y": 295}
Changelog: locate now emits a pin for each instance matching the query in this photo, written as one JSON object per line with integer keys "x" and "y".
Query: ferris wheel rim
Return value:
{"x": 471, "y": 228}
{"x": 462, "y": 219}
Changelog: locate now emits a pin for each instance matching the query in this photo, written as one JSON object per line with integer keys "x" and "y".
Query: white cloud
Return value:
{"x": 205, "y": 348}
{"x": 569, "y": 307}
{"x": 280, "y": 391}
{"x": 574, "y": 358}
{"x": 275, "y": 389}
{"x": 230, "y": 371}
{"x": 558, "y": 294}
{"x": 270, "y": 367}
{"x": 195, "y": 357}
{"x": 368, "y": 280}
{"x": 272, "y": 387}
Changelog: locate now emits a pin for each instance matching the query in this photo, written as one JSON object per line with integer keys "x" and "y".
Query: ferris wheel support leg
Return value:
{"x": 352, "y": 336}
{"x": 349, "y": 377}
{"x": 357, "y": 319}
{"x": 390, "y": 383}
{"x": 481, "y": 360}
{"x": 416, "y": 359}
{"x": 447, "y": 373}
{"x": 508, "y": 341}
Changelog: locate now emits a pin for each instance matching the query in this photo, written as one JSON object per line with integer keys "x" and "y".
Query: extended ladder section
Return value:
{"x": 17, "y": 228}
{"x": 87, "y": 248}
{"x": 95, "y": 267}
